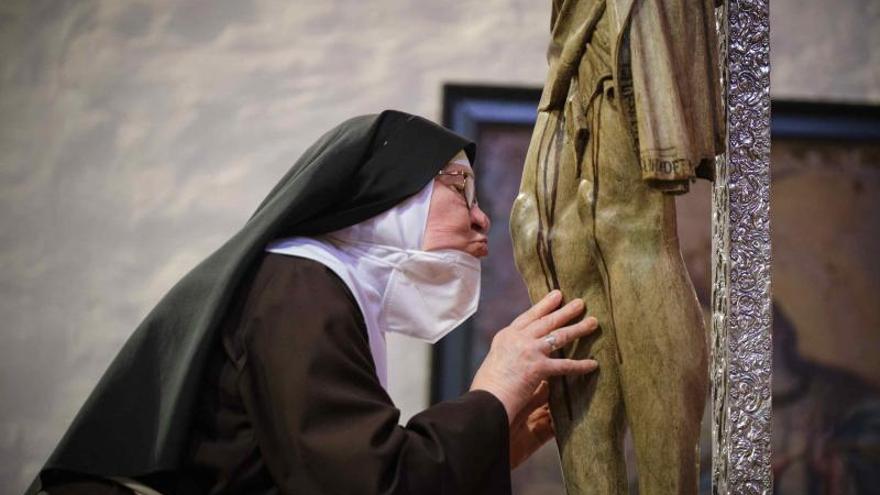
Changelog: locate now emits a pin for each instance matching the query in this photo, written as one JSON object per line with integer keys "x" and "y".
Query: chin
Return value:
{"x": 480, "y": 251}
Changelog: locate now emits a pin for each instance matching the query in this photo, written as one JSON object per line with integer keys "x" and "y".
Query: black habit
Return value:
{"x": 254, "y": 375}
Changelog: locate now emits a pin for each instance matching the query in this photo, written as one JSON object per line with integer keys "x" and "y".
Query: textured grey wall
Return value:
{"x": 136, "y": 136}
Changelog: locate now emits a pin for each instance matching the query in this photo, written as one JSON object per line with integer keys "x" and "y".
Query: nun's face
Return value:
{"x": 451, "y": 224}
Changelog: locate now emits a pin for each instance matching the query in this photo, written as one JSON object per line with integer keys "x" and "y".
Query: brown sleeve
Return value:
{"x": 323, "y": 422}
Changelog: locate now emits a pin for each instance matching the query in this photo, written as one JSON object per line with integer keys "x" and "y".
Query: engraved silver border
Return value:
{"x": 741, "y": 341}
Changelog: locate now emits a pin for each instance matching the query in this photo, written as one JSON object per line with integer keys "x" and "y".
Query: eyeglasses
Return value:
{"x": 463, "y": 182}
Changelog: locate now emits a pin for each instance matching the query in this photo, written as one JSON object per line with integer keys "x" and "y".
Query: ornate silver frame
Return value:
{"x": 741, "y": 341}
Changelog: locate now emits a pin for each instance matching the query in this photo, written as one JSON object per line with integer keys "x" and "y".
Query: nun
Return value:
{"x": 263, "y": 370}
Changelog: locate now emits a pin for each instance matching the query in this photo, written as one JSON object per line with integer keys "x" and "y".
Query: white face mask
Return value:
{"x": 398, "y": 287}
{"x": 430, "y": 293}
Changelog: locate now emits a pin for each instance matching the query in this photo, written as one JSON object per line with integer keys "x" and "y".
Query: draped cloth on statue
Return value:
{"x": 665, "y": 72}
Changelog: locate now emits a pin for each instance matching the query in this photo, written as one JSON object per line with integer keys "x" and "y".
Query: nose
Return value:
{"x": 479, "y": 220}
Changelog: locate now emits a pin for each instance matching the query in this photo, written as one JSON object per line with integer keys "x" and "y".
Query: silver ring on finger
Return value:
{"x": 551, "y": 340}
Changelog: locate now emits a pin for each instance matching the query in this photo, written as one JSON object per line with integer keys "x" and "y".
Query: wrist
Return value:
{"x": 508, "y": 405}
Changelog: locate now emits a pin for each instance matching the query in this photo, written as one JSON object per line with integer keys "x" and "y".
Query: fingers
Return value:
{"x": 536, "y": 402}
{"x": 558, "y": 367}
{"x": 540, "y": 397}
{"x": 541, "y": 308}
{"x": 549, "y": 322}
{"x": 565, "y": 335}
{"x": 540, "y": 423}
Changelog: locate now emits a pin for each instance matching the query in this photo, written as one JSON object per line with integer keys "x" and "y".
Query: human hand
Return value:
{"x": 532, "y": 427}
{"x": 519, "y": 357}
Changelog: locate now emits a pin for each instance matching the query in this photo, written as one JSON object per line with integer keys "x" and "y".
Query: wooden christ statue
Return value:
{"x": 629, "y": 115}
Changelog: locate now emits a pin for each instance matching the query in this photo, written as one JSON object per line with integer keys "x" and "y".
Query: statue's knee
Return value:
{"x": 524, "y": 232}
{"x": 586, "y": 202}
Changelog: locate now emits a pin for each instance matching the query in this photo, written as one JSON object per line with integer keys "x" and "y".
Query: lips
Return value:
{"x": 482, "y": 246}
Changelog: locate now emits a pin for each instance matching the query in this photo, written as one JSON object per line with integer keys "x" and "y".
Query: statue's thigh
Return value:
{"x": 550, "y": 230}
{"x": 531, "y": 218}
{"x": 658, "y": 322}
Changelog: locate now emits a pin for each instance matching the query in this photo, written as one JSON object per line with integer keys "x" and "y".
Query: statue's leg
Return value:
{"x": 591, "y": 446}
{"x": 660, "y": 330}
{"x": 553, "y": 249}
{"x": 592, "y": 449}
{"x": 664, "y": 375}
